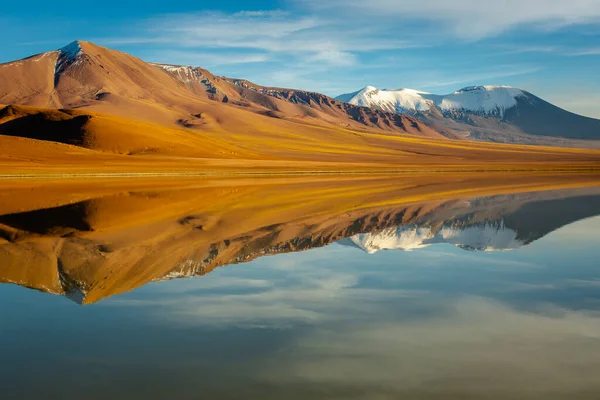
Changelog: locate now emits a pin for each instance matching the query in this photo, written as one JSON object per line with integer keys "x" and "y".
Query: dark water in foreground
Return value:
{"x": 503, "y": 307}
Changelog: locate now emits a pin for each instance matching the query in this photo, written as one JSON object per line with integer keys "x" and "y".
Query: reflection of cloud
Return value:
{"x": 477, "y": 347}
{"x": 293, "y": 290}
{"x": 355, "y": 325}
{"x": 198, "y": 283}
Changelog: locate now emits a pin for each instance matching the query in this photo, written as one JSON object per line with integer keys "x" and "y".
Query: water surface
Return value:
{"x": 470, "y": 297}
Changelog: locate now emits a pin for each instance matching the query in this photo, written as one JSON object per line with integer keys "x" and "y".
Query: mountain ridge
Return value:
{"x": 82, "y": 74}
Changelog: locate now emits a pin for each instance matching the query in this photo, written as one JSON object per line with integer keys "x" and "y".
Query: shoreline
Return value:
{"x": 284, "y": 173}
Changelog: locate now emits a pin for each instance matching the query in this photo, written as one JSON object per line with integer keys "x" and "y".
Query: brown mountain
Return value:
{"x": 99, "y": 79}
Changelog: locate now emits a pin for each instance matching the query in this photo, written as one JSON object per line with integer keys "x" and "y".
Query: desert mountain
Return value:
{"x": 83, "y": 75}
{"x": 490, "y": 113}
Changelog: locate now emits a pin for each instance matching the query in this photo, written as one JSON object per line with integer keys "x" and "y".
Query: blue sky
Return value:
{"x": 549, "y": 47}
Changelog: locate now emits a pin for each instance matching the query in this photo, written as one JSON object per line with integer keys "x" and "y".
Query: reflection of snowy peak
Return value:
{"x": 487, "y": 236}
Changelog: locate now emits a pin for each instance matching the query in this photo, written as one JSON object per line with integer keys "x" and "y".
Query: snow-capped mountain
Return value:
{"x": 491, "y": 113}
{"x": 482, "y": 100}
{"x": 487, "y": 236}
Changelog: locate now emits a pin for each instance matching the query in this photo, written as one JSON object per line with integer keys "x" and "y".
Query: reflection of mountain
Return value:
{"x": 486, "y": 236}
{"x": 106, "y": 239}
{"x": 483, "y": 226}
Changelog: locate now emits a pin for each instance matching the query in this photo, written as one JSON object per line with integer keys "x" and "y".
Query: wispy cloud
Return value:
{"x": 205, "y": 59}
{"x": 587, "y": 52}
{"x": 475, "y": 76}
{"x": 472, "y": 19}
{"x": 523, "y": 49}
{"x": 273, "y": 34}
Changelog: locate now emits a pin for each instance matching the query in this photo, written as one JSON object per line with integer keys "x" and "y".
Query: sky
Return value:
{"x": 548, "y": 47}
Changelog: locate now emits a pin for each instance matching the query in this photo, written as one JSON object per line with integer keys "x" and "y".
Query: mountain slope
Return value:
{"x": 106, "y": 133}
{"x": 491, "y": 113}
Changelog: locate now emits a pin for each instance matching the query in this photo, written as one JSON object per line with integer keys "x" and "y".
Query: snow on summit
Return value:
{"x": 488, "y": 100}
{"x": 401, "y": 101}
{"x": 482, "y": 99}
{"x": 70, "y": 51}
{"x": 67, "y": 56}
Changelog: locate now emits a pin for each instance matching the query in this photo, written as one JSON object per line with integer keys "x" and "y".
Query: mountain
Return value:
{"x": 490, "y": 113}
{"x": 84, "y": 75}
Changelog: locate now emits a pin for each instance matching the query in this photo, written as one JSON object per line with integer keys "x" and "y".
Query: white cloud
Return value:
{"x": 472, "y": 19}
{"x": 587, "y": 52}
{"x": 277, "y": 36}
{"x": 205, "y": 59}
{"x": 464, "y": 77}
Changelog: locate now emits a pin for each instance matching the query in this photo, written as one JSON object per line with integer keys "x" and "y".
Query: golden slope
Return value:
{"x": 107, "y": 133}
{"x": 41, "y": 141}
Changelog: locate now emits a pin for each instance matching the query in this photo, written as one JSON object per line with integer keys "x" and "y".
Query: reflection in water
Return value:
{"x": 486, "y": 224}
{"x": 96, "y": 248}
{"x": 334, "y": 322}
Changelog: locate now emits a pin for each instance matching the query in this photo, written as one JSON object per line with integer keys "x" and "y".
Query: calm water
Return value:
{"x": 485, "y": 302}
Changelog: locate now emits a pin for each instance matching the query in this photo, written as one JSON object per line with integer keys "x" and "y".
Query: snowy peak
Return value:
{"x": 484, "y": 100}
{"x": 399, "y": 101}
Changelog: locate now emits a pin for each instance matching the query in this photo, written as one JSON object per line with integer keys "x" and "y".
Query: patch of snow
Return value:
{"x": 71, "y": 51}
{"x": 482, "y": 99}
{"x": 184, "y": 73}
{"x": 185, "y": 269}
{"x": 68, "y": 55}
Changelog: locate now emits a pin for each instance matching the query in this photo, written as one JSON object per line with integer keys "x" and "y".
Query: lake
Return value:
{"x": 362, "y": 288}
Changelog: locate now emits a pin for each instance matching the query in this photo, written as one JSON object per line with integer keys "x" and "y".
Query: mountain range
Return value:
{"x": 83, "y": 106}
{"x": 489, "y": 113}
{"x": 84, "y": 75}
